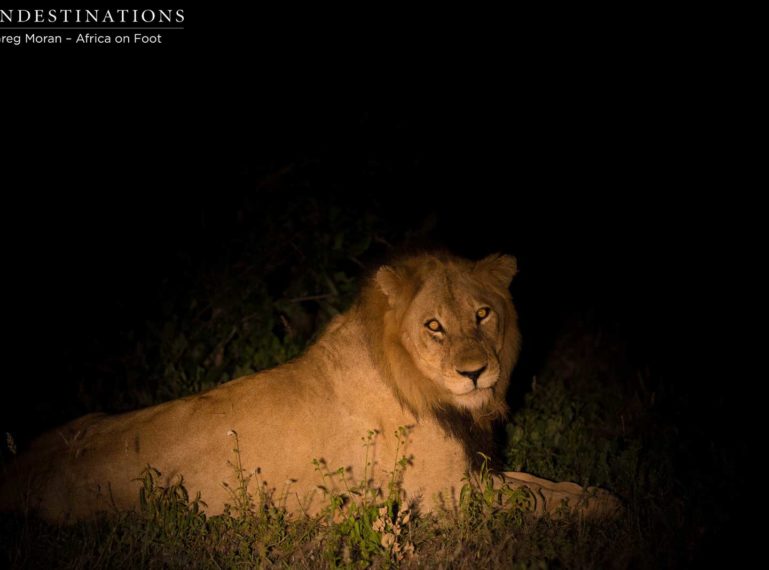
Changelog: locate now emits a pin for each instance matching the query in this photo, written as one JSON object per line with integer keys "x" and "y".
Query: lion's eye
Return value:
{"x": 482, "y": 313}
{"x": 434, "y": 325}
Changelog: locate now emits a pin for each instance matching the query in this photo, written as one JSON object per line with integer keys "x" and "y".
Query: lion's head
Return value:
{"x": 450, "y": 336}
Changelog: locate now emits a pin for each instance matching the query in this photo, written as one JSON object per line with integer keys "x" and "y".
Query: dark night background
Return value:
{"x": 600, "y": 164}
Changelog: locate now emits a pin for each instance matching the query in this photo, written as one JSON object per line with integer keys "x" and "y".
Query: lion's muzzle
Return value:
{"x": 473, "y": 374}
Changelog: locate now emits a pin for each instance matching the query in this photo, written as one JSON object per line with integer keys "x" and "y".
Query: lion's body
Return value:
{"x": 373, "y": 368}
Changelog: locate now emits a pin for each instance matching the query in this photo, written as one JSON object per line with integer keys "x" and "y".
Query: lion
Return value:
{"x": 426, "y": 351}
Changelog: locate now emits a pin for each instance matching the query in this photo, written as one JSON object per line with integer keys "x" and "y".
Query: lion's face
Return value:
{"x": 453, "y": 333}
{"x": 454, "y": 325}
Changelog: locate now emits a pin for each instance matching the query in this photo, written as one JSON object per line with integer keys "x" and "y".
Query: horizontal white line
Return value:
{"x": 42, "y": 29}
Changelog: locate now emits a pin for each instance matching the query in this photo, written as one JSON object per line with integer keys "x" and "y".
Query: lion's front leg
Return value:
{"x": 555, "y": 498}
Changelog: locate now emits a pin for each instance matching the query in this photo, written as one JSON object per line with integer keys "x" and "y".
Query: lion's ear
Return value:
{"x": 390, "y": 282}
{"x": 499, "y": 268}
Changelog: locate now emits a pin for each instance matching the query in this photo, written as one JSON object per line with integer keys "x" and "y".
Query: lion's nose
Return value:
{"x": 472, "y": 374}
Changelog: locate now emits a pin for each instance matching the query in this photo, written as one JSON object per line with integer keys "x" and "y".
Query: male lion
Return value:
{"x": 429, "y": 346}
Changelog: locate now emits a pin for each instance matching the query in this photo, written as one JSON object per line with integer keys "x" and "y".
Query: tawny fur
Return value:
{"x": 375, "y": 367}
